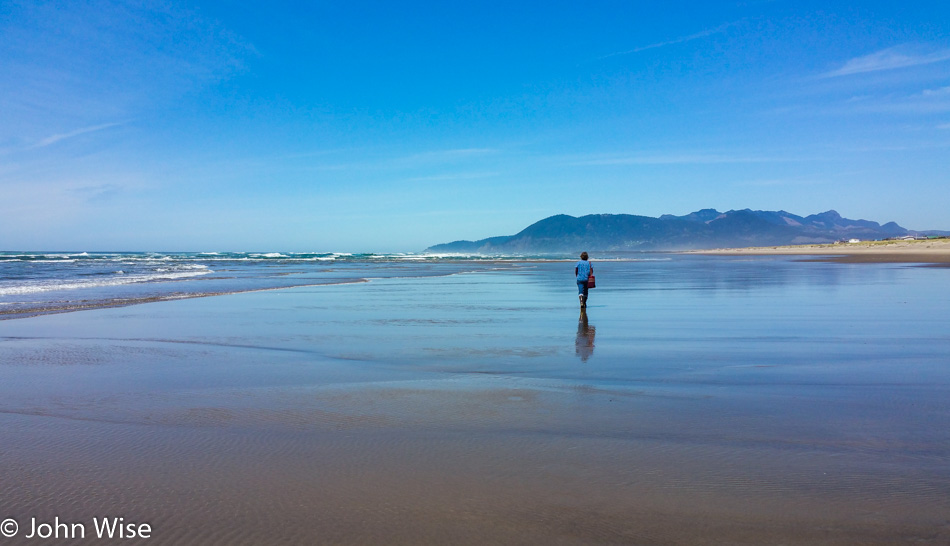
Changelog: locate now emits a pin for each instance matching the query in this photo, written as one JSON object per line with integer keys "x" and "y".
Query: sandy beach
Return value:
{"x": 927, "y": 251}
{"x": 477, "y": 408}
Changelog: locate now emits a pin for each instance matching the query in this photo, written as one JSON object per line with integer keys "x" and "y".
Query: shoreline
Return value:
{"x": 935, "y": 252}
{"x": 87, "y": 305}
{"x": 927, "y": 253}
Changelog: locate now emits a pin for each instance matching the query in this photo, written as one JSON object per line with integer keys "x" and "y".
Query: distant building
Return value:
{"x": 854, "y": 240}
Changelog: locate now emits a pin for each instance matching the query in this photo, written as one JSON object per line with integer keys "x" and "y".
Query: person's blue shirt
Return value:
{"x": 583, "y": 269}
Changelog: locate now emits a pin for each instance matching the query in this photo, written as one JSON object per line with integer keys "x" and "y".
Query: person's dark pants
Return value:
{"x": 582, "y": 289}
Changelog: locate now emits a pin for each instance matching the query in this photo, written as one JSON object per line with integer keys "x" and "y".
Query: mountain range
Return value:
{"x": 703, "y": 229}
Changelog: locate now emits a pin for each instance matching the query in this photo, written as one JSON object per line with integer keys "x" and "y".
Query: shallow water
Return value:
{"x": 700, "y": 400}
{"x": 35, "y": 283}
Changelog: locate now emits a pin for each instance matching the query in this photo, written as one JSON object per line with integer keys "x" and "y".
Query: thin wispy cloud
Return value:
{"x": 97, "y": 192}
{"x": 446, "y": 156}
{"x": 64, "y": 193}
{"x": 673, "y": 159}
{"x": 50, "y": 140}
{"x": 941, "y": 92}
{"x": 453, "y": 176}
{"x": 944, "y": 126}
{"x": 454, "y": 153}
{"x": 107, "y": 60}
{"x": 317, "y": 153}
{"x": 702, "y": 34}
{"x": 778, "y": 182}
{"x": 926, "y": 102}
{"x": 894, "y": 148}
{"x": 888, "y": 59}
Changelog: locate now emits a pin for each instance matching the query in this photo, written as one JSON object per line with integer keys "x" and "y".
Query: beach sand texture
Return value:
{"x": 935, "y": 251}
{"x": 727, "y": 401}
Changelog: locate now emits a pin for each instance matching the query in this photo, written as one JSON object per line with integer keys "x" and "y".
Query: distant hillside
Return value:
{"x": 707, "y": 228}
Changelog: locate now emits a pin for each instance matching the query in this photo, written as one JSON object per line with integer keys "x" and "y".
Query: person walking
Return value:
{"x": 583, "y": 270}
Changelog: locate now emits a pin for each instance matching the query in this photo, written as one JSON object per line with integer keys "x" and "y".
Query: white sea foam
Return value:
{"x": 51, "y": 285}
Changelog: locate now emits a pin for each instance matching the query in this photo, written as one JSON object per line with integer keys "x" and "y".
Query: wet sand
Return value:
{"x": 482, "y": 408}
{"x": 926, "y": 252}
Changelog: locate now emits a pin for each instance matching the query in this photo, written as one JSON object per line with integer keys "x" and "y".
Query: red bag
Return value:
{"x": 590, "y": 281}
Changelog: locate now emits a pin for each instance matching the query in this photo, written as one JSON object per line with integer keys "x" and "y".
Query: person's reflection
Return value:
{"x": 584, "y": 344}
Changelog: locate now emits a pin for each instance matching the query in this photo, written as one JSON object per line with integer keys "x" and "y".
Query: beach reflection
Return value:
{"x": 584, "y": 343}
{"x": 802, "y": 412}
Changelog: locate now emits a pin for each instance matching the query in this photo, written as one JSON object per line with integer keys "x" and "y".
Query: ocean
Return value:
{"x": 34, "y": 283}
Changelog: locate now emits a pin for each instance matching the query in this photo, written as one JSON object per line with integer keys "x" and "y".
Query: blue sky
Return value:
{"x": 392, "y": 126}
